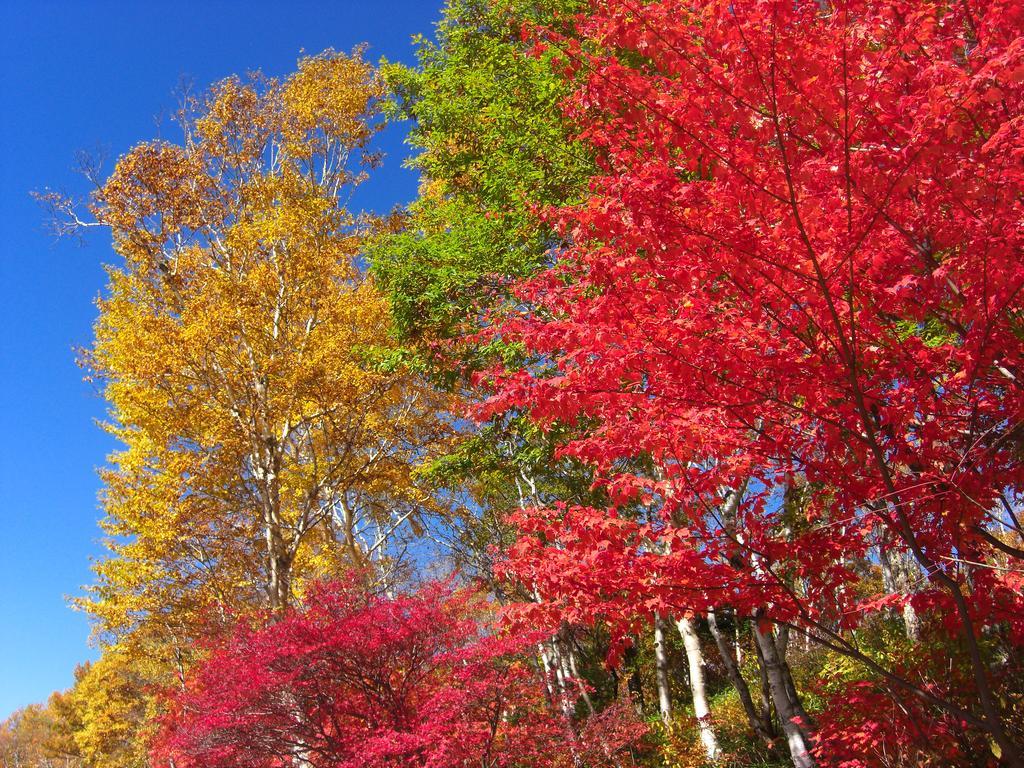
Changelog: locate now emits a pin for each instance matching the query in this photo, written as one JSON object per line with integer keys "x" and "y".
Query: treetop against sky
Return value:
{"x": 80, "y": 76}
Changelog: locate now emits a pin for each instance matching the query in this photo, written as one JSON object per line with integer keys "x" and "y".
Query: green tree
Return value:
{"x": 492, "y": 146}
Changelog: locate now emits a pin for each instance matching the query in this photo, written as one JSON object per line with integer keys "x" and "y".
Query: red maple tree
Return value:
{"x": 361, "y": 681}
{"x": 792, "y": 308}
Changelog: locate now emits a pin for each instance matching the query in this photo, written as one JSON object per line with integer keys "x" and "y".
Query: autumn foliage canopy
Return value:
{"x": 791, "y": 305}
{"x": 734, "y": 292}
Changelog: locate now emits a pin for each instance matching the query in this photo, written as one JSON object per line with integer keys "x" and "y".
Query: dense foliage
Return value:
{"x": 237, "y": 348}
{"x": 695, "y": 368}
{"x": 796, "y": 288}
{"x": 365, "y": 681}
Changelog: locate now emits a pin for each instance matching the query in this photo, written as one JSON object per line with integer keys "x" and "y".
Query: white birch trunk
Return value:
{"x": 695, "y": 662}
{"x": 549, "y": 682}
{"x": 797, "y": 739}
{"x": 896, "y": 581}
{"x": 562, "y": 681}
{"x": 580, "y": 682}
{"x": 759, "y": 720}
{"x": 661, "y": 670}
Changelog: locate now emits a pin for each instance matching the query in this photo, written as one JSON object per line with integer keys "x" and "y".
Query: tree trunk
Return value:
{"x": 695, "y": 662}
{"x": 567, "y": 701}
{"x": 548, "y": 671}
{"x": 266, "y": 461}
{"x": 794, "y": 719}
{"x": 278, "y": 567}
{"x": 580, "y": 682}
{"x": 661, "y": 670}
{"x": 760, "y": 721}
{"x": 897, "y": 581}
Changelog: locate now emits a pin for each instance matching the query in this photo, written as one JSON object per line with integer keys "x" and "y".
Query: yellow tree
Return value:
{"x": 100, "y": 722}
{"x": 25, "y": 740}
{"x": 240, "y": 346}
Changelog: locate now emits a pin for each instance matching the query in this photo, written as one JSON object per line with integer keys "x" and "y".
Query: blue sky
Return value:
{"x": 74, "y": 75}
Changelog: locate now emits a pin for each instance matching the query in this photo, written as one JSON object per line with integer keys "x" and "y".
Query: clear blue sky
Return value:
{"x": 75, "y": 74}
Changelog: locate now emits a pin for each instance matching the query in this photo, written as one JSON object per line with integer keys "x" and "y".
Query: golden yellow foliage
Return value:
{"x": 102, "y": 716}
{"x": 26, "y": 740}
{"x": 239, "y": 348}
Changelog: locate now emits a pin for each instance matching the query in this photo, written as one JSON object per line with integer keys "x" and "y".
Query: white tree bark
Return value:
{"x": 758, "y": 719}
{"x": 661, "y": 670}
{"x": 896, "y": 579}
{"x": 580, "y": 682}
{"x": 695, "y": 661}
{"x": 567, "y": 700}
{"x": 548, "y": 668}
{"x": 790, "y": 712}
